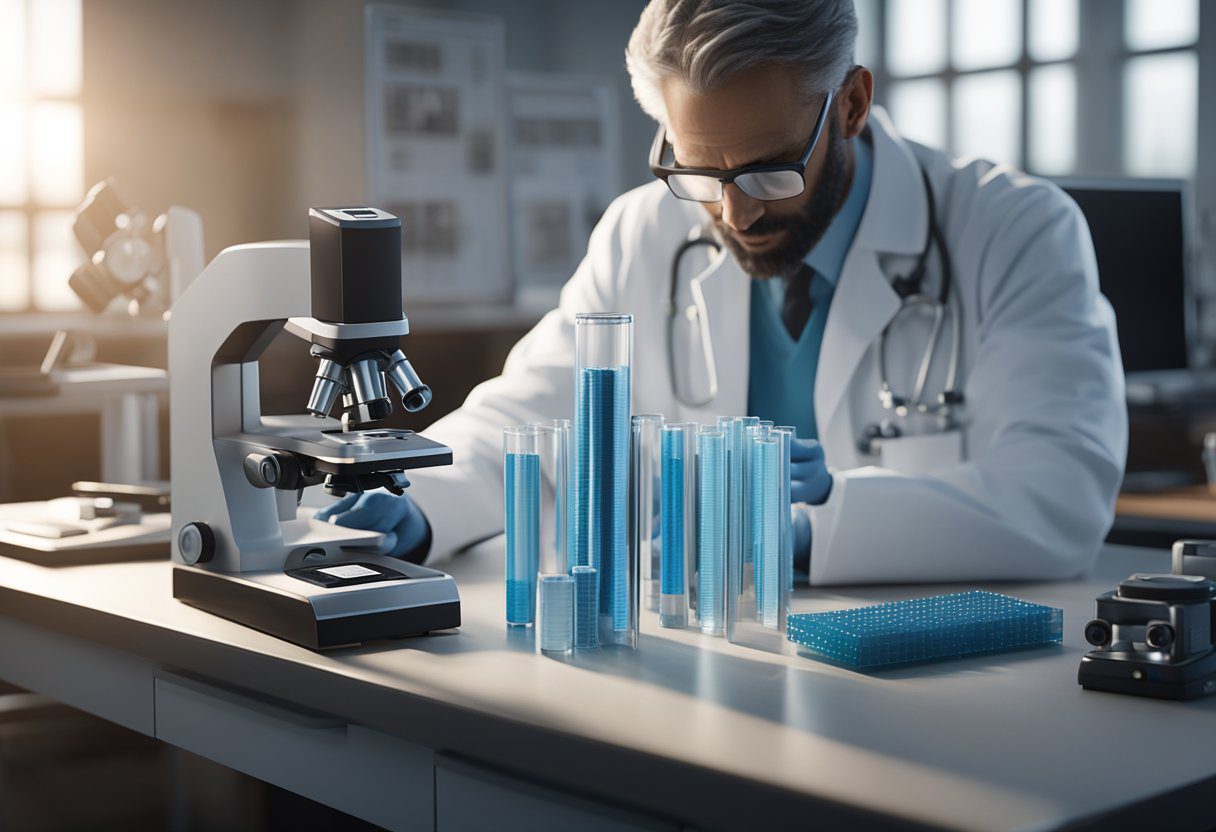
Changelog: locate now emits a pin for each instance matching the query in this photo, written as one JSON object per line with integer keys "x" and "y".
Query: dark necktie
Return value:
{"x": 796, "y": 307}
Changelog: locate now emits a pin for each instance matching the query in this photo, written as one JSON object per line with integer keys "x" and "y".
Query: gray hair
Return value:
{"x": 707, "y": 42}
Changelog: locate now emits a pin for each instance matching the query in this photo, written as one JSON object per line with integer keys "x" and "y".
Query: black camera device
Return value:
{"x": 1154, "y": 637}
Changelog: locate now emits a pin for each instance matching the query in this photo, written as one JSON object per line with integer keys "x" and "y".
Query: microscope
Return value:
{"x": 240, "y": 550}
{"x": 1154, "y": 637}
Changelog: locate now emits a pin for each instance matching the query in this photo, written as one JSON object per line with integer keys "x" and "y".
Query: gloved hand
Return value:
{"x": 403, "y": 524}
{"x": 810, "y": 481}
{"x": 802, "y": 540}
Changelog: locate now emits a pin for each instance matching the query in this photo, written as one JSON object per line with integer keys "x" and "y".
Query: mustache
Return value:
{"x": 763, "y": 226}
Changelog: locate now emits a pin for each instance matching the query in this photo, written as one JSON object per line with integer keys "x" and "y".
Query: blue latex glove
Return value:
{"x": 810, "y": 481}
{"x": 802, "y": 541}
{"x": 403, "y": 524}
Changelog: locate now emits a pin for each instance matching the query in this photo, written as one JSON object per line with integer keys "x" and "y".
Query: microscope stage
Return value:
{"x": 348, "y": 452}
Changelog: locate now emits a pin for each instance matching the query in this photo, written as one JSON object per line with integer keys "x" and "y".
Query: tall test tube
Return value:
{"x": 553, "y": 440}
{"x": 711, "y": 530}
{"x": 759, "y": 592}
{"x": 677, "y": 600}
{"x": 603, "y": 351}
{"x": 522, "y": 481}
{"x": 787, "y": 434}
{"x": 645, "y": 483}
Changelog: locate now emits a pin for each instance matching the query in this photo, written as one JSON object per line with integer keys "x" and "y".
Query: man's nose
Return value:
{"x": 739, "y": 211}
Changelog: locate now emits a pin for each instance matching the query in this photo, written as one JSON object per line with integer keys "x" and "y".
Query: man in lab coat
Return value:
{"x": 1015, "y": 479}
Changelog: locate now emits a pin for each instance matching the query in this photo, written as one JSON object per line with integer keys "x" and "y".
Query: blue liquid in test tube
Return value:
{"x": 603, "y": 347}
{"x": 711, "y": 530}
{"x": 586, "y": 607}
{"x": 673, "y": 598}
{"x": 766, "y": 478}
{"x": 603, "y": 461}
{"x": 677, "y": 517}
{"x": 522, "y": 474}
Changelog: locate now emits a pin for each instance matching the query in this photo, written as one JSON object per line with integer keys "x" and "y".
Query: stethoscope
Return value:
{"x": 912, "y": 297}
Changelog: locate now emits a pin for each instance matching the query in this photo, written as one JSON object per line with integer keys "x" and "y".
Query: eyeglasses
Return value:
{"x": 765, "y": 182}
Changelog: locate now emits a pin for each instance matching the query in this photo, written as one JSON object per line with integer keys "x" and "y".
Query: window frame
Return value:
{"x": 32, "y": 207}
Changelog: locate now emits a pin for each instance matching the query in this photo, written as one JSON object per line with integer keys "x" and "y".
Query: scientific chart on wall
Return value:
{"x": 564, "y": 163}
{"x": 435, "y": 150}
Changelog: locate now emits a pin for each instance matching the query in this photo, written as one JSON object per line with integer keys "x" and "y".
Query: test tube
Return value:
{"x": 522, "y": 481}
{"x": 645, "y": 483}
{"x": 553, "y": 438}
{"x": 678, "y": 509}
{"x": 586, "y": 607}
{"x": 603, "y": 353}
{"x": 758, "y": 592}
{"x": 711, "y": 530}
{"x": 787, "y": 434}
{"x": 555, "y": 614}
{"x": 766, "y": 474}
{"x": 734, "y": 427}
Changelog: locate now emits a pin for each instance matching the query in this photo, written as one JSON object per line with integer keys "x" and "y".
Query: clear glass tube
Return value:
{"x": 645, "y": 484}
{"x": 555, "y": 614}
{"x": 766, "y": 474}
{"x": 678, "y": 509}
{"x": 711, "y": 530}
{"x": 787, "y": 434}
{"x": 758, "y": 573}
{"x": 603, "y": 352}
{"x": 553, "y": 442}
{"x": 522, "y": 513}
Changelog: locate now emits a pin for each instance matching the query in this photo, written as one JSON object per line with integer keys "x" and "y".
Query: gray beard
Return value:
{"x": 804, "y": 229}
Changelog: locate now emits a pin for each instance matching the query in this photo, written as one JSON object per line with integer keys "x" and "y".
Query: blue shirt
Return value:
{"x": 781, "y": 382}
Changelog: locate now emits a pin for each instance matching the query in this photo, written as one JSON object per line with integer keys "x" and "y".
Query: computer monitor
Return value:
{"x": 1141, "y": 233}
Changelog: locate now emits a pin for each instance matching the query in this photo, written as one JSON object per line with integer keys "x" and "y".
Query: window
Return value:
{"x": 1003, "y": 79}
{"x": 989, "y": 78}
{"x": 41, "y": 152}
{"x": 1160, "y": 87}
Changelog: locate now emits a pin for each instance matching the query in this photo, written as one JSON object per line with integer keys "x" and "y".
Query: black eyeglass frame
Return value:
{"x": 726, "y": 177}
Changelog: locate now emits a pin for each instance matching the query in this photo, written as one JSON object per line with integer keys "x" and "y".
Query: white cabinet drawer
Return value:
{"x": 469, "y": 798}
{"x": 374, "y": 776}
{"x": 105, "y": 682}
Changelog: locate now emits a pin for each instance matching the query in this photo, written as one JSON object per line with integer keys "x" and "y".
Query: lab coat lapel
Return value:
{"x": 724, "y": 290}
{"x": 894, "y": 222}
{"x": 863, "y": 304}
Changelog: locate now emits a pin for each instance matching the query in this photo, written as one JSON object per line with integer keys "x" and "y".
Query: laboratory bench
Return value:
{"x": 472, "y": 729}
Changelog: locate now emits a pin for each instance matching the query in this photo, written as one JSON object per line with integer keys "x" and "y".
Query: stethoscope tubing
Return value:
{"x": 911, "y": 295}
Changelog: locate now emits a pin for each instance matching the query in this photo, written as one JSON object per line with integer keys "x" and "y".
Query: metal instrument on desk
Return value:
{"x": 239, "y": 548}
{"x": 147, "y": 262}
{"x": 1154, "y": 634}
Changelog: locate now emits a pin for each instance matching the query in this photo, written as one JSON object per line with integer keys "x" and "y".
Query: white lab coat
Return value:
{"x": 1025, "y": 490}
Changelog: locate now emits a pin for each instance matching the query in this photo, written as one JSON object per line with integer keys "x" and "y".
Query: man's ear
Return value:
{"x": 853, "y": 103}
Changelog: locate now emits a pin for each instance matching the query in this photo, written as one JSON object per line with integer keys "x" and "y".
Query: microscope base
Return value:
{"x": 1123, "y": 673}
{"x": 415, "y": 600}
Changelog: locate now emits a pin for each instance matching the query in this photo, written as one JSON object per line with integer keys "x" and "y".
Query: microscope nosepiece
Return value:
{"x": 414, "y": 394}
{"x": 325, "y": 388}
{"x": 365, "y": 392}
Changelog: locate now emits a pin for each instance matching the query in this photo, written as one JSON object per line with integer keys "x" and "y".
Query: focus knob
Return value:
{"x": 272, "y": 469}
{"x": 196, "y": 542}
